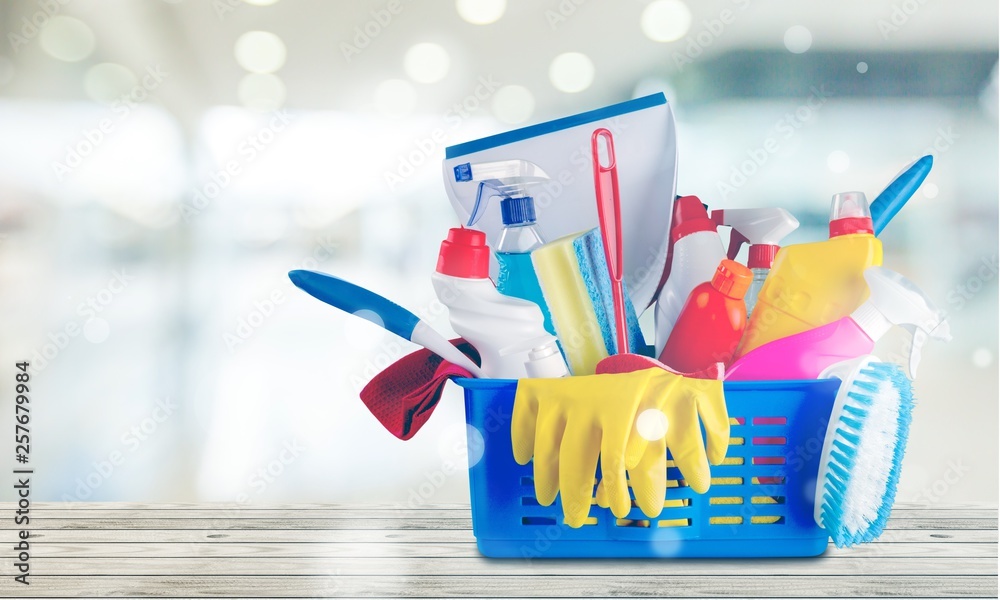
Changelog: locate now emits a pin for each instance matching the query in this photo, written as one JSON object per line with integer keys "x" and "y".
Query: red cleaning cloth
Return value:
{"x": 403, "y": 396}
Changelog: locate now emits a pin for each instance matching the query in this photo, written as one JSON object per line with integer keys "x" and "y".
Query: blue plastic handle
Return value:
{"x": 895, "y": 196}
{"x": 352, "y": 298}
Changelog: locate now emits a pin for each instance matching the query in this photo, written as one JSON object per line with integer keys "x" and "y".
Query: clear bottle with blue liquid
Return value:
{"x": 519, "y": 237}
{"x": 509, "y": 181}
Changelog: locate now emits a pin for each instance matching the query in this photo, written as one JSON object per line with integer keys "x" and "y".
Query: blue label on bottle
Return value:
{"x": 463, "y": 172}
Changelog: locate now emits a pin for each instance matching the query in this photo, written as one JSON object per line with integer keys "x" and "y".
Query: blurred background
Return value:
{"x": 163, "y": 164}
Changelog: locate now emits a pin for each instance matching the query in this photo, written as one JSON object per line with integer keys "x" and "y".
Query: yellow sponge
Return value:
{"x": 566, "y": 294}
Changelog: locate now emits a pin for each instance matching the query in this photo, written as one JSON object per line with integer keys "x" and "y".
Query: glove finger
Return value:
{"x": 649, "y": 479}
{"x": 602, "y": 495}
{"x": 686, "y": 445}
{"x": 714, "y": 417}
{"x": 522, "y": 425}
{"x": 581, "y": 445}
{"x": 613, "y": 466}
{"x": 635, "y": 447}
{"x": 657, "y": 393}
{"x": 551, "y": 425}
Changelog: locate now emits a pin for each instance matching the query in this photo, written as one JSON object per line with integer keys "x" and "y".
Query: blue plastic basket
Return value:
{"x": 760, "y": 502}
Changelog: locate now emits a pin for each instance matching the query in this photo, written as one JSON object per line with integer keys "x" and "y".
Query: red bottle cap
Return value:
{"x": 850, "y": 213}
{"x": 849, "y": 225}
{"x": 690, "y": 217}
{"x": 732, "y": 279}
{"x": 762, "y": 255}
{"x": 464, "y": 254}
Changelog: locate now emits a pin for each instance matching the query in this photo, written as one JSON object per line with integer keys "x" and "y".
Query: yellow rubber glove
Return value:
{"x": 683, "y": 403}
{"x": 567, "y": 423}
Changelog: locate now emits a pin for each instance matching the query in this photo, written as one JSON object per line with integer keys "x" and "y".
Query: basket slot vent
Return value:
{"x": 736, "y": 441}
{"x": 529, "y": 501}
{"x": 537, "y": 521}
{"x": 527, "y": 481}
{"x": 676, "y": 483}
{"x": 737, "y": 420}
{"x": 768, "y": 460}
{"x": 769, "y": 441}
{"x": 632, "y": 522}
{"x": 725, "y": 520}
{"x": 726, "y": 500}
{"x": 673, "y": 523}
{"x": 767, "y": 520}
{"x": 770, "y": 420}
{"x": 732, "y": 460}
{"x": 726, "y": 481}
{"x": 767, "y": 500}
{"x": 775, "y": 480}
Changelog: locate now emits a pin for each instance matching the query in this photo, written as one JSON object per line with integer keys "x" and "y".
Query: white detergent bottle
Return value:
{"x": 504, "y": 330}
{"x": 763, "y": 229}
{"x": 697, "y": 252}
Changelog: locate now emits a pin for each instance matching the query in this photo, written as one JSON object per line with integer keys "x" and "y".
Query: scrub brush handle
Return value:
{"x": 610, "y": 218}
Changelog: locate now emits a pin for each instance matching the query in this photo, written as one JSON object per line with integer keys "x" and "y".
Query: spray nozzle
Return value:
{"x": 507, "y": 179}
{"x": 762, "y": 228}
{"x": 895, "y": 300}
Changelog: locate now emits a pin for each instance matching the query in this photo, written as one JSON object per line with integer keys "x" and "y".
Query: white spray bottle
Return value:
{"x": 697, "y": 252}
{"x": 507, "y": 332}
{"x": 763, "y": 229}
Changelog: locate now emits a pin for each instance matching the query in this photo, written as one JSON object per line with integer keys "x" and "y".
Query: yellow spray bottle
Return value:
{"x": 813, "y": 284}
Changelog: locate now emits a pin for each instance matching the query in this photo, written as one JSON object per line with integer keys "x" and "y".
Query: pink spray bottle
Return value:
{"x": 894, "y": 300}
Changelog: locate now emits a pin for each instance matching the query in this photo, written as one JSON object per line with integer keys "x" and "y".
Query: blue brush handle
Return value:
{"x": 352, "y": 298}
{"x": 895, "y": 196}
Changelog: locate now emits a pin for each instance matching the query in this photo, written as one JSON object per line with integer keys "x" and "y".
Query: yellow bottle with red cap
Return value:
{"x": 811, "y": 285}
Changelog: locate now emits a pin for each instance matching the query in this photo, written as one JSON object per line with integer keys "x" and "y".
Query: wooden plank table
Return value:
{"x": 313, "y": 550}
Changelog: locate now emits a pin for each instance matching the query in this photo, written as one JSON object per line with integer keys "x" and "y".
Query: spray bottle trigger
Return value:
{"x": 919, "y": 336}
{"x": 487, "y": 190}
{"x": 736, "y": 241}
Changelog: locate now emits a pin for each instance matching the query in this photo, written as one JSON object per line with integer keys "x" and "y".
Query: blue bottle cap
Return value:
{"x": 517, "y": 211}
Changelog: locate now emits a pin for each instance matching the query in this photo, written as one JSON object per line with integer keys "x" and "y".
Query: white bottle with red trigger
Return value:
{"x": 504, "y": 330}
{"x": 697, "y": 252}
{"x": 763, "y": 229}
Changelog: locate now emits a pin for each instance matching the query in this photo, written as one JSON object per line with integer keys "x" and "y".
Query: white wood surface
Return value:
{"x": 313, "y": 550}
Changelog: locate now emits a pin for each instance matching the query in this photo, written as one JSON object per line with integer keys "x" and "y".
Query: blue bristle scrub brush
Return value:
{"x": 863, "y": 450}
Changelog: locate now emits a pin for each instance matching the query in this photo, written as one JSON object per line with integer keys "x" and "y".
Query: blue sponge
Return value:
{"x": 594, "y": 269}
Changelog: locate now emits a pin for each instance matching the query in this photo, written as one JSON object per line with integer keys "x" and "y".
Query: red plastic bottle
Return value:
{"x": 712, "y": 321}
